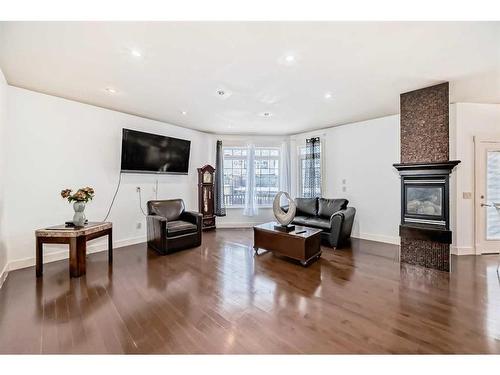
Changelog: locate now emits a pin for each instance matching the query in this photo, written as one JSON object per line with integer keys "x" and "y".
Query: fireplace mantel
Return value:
{"x": 442, "y": 167}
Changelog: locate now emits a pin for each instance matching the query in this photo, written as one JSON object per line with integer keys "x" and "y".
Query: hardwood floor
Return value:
{"x": 218, "y": 298}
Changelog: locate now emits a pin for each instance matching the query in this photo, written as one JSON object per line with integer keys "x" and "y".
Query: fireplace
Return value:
{"x": 424, "y": 200}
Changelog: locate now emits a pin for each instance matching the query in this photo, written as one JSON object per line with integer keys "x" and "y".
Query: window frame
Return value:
{"x": 233, "y": 157}
{"x": 270, "y": 157}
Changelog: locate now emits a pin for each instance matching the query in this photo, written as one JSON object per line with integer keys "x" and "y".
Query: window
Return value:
{"x": 267, "y": 166}
{"x": 235, "y": 175}
{"x": 267, "y": 181}
{"x": 302, "y": 172}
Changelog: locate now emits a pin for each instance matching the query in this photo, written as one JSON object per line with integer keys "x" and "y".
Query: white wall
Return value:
{"x": 3, "y": 127}
{"x": 466, "y": 121}
{"x": 362, "y": 154}
{"x": 55, "y": 143}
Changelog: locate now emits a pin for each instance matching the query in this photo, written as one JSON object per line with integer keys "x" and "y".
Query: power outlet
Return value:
{"x": 138, "y": 225}
{"x": 138, "y": 189}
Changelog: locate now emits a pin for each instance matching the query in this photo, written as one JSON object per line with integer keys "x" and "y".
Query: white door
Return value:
{"x": 487, "y": 199}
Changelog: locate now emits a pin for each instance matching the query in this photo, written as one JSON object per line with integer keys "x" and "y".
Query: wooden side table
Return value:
{"x": 77, "y": 239}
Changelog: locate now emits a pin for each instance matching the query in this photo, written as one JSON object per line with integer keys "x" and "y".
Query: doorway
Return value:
{"x": 487, "y": 196}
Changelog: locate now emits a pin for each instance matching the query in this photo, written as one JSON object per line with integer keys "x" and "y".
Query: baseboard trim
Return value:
{"x": 362, "y": 236}
{"x": 464, "y": 250}
{"x": 377, "y": 238}
{"x": 64, "y": 254}
{"x": 236, "y": 225}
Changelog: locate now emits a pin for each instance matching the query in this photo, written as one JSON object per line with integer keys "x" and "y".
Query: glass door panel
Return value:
{"x": 493, "y": 195}
{"x": 487, "y": 196}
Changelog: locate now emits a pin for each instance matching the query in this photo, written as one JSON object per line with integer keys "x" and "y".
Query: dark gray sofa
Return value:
{"x": 331, "y": 215}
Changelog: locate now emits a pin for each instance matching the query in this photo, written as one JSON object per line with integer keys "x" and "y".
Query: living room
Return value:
{"x": 167, "y": 189}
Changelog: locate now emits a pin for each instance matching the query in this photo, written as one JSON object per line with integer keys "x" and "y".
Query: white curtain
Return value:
{"x": 251, "y": 208}
{"x": 285, "y": 168}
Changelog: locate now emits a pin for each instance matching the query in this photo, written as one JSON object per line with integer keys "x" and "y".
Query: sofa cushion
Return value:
{"x": 179, "y": 227}
{"x": 171, "y": 208}
{"x": 313, "y": 222}
{"x": 307, "y": 206}
{"x": 327, "y": 207}
{"x": 300, "y": 220}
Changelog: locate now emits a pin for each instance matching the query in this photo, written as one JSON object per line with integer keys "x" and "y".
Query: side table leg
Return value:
{"x": 39, "y": 257}
{"x": 110, "y": 246}
{"x": 77, "y": 254}
{"x": 81, "y": 244}
{"x": 73, "y": 258}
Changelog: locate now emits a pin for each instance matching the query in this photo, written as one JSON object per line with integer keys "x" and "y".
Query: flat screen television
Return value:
{"x": 152, "y": 153}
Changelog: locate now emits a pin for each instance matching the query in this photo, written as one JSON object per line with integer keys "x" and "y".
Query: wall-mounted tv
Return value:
{"x": 152, "y": 153}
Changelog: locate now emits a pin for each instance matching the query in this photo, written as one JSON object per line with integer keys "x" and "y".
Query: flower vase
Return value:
{"x": 79, "y": 216}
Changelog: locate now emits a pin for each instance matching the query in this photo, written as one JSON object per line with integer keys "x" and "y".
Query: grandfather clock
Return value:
{"x": 206, "y": 197}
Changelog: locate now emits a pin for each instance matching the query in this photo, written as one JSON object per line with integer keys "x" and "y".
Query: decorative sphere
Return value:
{"x": 284, "y": 218}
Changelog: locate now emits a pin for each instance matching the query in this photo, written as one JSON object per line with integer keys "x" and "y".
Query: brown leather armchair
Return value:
{"x": 171, "y": 227}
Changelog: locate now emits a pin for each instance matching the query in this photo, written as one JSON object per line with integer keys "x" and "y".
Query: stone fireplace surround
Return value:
{"x": 424, "y": 129}
{"x": 425, "y": 231}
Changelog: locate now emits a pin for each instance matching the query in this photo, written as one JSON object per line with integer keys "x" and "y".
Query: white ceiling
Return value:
{"x": 364, "y": 65}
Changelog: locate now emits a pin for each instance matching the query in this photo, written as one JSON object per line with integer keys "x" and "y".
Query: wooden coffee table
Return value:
{"x": 77, "y": 239}
{"x": 304, "y": 247}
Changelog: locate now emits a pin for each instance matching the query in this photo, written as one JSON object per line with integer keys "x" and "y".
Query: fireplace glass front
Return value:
{"x": 424, "y": 200}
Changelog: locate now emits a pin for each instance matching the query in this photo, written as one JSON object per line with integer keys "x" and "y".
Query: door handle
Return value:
{"x": 496, "y": 205}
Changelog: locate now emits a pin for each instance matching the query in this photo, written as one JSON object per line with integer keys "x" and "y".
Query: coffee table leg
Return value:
{"x": 305, "y": 263}
{"x": 39, "y": 257}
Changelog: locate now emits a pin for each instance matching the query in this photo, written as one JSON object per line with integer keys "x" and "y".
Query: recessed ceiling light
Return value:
{"x": 136, "y": 53}
{"x": 328, "y": 95}
{"x": 221, "y": 92}
{"x": 110, "y": 90}
{"x": 289, "y": 58}
{"x": 184, "y": 113}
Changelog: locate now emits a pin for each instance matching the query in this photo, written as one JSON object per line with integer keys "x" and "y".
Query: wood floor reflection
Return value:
{"x": 219, "y": 298}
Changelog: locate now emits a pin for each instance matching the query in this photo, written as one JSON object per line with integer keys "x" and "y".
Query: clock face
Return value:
{"x": 207, "y": 178}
